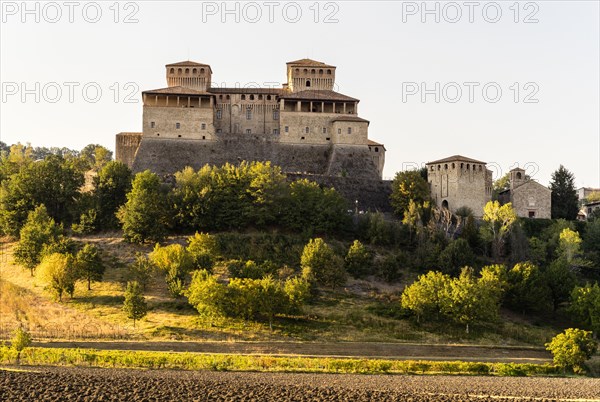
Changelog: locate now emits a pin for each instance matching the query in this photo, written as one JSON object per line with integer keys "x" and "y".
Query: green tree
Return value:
{"x": 498, "y": 220}
{"x": 21, "y": 339}
{"x": 145, "y": 215}
{"x": 569, "y": 244}
{"x": 176, "y": 263}
{"x": 53, "y": 182}
{"x": 57, "y": 272}
{"x": 297, "y": 290}
{"x": 528, "y": 289}
{"x": 203, "y": 248}
{"x": 141, "y": 270}
{"x": 134, "y": 306}
{"x": 468, "y": 299}
{"x": 206, "y": 294}
{"x": 326, "y": 266}
{"x": 499, "y": 185}
{"x": 572, "y": 348}
{"x": 585, "y": 305}
{"x": 456, "y": 255}
{"x": 358, "y": 261}
{"x": 408, "y": 185}
{"x": 39, "y": 230}
{"x": 95, "y": 156}
{"x": 564, "y": 196}
{"x": 89, "y": 265}
{"x": 424, "y": 298}
{"x": 593, "y": 197}
{"x": 111, "y": 186}
{"x": 561, "y": 280}
{"x": 591, "y": 241}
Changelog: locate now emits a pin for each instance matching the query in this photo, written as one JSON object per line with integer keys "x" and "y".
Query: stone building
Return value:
{"x": 529, "y": 198}
{"x": 305, "y": 127}
{"x": 458, "y": 181}
{"x": 587, "y": 210}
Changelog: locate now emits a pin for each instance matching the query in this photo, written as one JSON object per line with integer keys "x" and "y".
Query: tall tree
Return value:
{"x": 145, "y": 215}
{"x": 564, "y": 197}
{"x": 408, "y": 185}
{"x": 498, "y": 220}
{"x": 57, "y": 271}
{"x": 89, "y": 264}
{"x": 135, "y": 305}
{"x": 326, "y": 266}
{"x": 111, "y": 186}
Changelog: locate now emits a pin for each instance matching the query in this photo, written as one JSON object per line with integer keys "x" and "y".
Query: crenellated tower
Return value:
{"x": 189, "y": 74}
{"x": 307, "y": 74}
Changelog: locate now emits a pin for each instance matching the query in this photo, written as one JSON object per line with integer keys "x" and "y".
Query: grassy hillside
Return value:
{"x": 363, "y": 310}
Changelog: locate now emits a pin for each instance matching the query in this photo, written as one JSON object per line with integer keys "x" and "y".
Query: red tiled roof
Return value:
{"x": 177, "y": 90}
{"x": 458, "y": 158}
{"x": 319, "y": 95}
{"x": 308, "y": 62}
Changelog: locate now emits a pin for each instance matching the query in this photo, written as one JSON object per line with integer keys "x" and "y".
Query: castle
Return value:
{"x": 304, "y": 126}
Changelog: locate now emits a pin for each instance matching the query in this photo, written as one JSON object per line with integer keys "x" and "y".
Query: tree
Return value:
{"x": 53, "y": 182}
{"x": 564, "y": 196}
{"x": 141, "y": 270}
{"x": 326, "y": 266}
{"x": 424, "y": 297}
{"x": 95, "y": 156}
{"x": 145, "y": 215}
{"x": 591, "y": 241}
{"x": 135, "y": 304}
{"x": 528, "y": 289}
{"x": 20, "y": 340}
{"x": 498, "y": 220}
{"x": 176, "y": 263}
{"x": 203, "y": 249}
{"x": 456, "y": 255}
{"x": 585, "y": 305}
{"x": 359, "y": 260}
{"x": 572, "y": 348}
{"x": 111, "y": 186}
{"x": 499, "y": 185}
{"x": 561, "y": 280}
{"x": 89, "y": 264}
{"x": 408, "y": 185}
{"x": 39, "y": 230}
{"x": 569, "y": 244}
{"x": 57, "y": 272}
{"x": 206, "y": 294}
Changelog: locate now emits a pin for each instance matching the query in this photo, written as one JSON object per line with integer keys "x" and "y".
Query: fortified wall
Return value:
{"x": 305, "y": 127}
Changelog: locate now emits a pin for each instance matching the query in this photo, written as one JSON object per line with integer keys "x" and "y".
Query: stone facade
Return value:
{"x": 305, "y": 126}
{"x": 529, "y": 198}
{"x": 458, "y": 181}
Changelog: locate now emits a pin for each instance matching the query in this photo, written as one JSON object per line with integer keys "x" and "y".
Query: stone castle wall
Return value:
{"x": 127, "y": 146}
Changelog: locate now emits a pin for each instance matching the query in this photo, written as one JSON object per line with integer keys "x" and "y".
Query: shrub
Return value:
{"x": 572, "y": 348}
{"x": 135, "y": 304}
{"x": 58, "y": 273}
{"x": 176, "y": 263}
{"x": 203, "y": 249}
{"x": 325, "y": 265}
{"x": 358, "y": 261}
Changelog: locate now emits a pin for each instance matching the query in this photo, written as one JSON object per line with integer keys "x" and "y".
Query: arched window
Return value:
{"x": 446, "y": 166}
{"x": 453, "y": 166}
{"x": 306, "y": 130}
{"x": 195, "y": 71}
{"x": 308, "y": 83}
{"x": 305, "y": 71}
{"x": 439, "y": 167}
{"x": 462, "y": 165}
{"x": 203, "y": 126}
{"x": 519, "y": 176}
{"x": 328, "y": 72}
{"x": 227, "y": 97}
{"x": 260, "y": 97}
{"x": 251, "y": 97}
{"x": 312, "y": 71}
{"x": 432, "y": 168}
{"x": 268, "y": 97}
{"x": 321, "y": 72}
{"x": 376, "y": 149}
{"x": 201, "y": 71}
{"x": 172, "y": 71}
{"x": 187, "y": 70}
{"x": 445, "y": 204}
{"x": 243, "y": 97}
{"x": 297, "y": 70}
{"x": 220, "y": 96}
{"x": 179, "y": 71}
{"x": 480, "y": 168}
{"x": 468, "y": 166}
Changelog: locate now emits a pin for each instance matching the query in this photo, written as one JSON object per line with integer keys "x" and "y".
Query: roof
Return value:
{"x": 177, "y": 90}
{"x": 188, "y": 64}
{"x": 350, "y": 117}
{"x": 308, "y": 62}
{"x": 268, "y": 91}
{"x": 319, "y": 95}
{"x": 129, "y": 133}
{"x": 455, "y": 158}
{"x": 372, "y": 143}
{"x": 592, "y": 204}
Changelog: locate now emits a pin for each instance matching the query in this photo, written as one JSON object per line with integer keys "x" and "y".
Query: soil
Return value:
{"x": 88, "y": 384}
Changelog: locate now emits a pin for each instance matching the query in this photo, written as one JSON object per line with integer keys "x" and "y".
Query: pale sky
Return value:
{"x": 387, "y": 53}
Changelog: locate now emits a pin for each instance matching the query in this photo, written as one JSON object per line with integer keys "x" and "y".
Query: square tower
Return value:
{"x": 189, "y": 74}
{"x": 307, "y": 74}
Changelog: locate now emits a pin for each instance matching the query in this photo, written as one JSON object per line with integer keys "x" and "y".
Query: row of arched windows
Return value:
{"x": 187, "y": 71}
{"x": 462, "y": 166}
{"x": 313, "y": 71}
{"x": 251, "y": 97}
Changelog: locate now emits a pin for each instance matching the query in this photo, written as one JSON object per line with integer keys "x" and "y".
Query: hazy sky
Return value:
{"x": 546, "y": 65}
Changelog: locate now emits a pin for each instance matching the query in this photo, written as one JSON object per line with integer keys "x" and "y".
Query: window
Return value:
{"x": 251, "y": 97}
{"x": 328, "y": 138}
{"x": 203, "y": 137}
{"x": 306, "y": 130}
{"x": 308, "y": 83}
{"x": 301, "y": 138}
{"x": 220, "y": 96}
{"x": 260, "y": 97}
{"x": 297, "y": 70}
{"x": 248, "y": 131}
{"x": 376, "y": 149}
{"x": 248, "y": 114}
{"x": 227, "y": 97}
{"x": 219, "y": 114}
{"x": 532, "y": 214}
{"x": 349, "y": 130}
{"x": 243, "y": 97}
{"x": 179, "y": 136}
{"x": 519, "y": 176}
{"x": 320, "y": 72}
{"x": 312, "y": 71}
{"x": 268, "y": 97}
{"x": 201, "y": 71}
{"x": 287, "y": 129}
{"x": 453, "y": 166}
{"x": 445, "y": 166}
{"x": 275, "y": 131}
{"x": 172, "y": 71}
{"x": 195, "y": 71}
{"x": 275, "y": 114}
{"x": 203, "y": 126}
{"x": 305, "y": 71}
{"x": 187, "y": 70}
{"x": 324, "y": 130}
{"x": 328, "y": 72}
{"x": 177, "y": 126}
{"x": 339, "y": 130}
{"x": 152, "y": 124}
{"x": 179, "y": 71}
{"x": 445, "y": 204}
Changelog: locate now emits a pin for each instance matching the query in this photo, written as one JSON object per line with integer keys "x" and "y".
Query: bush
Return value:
{"x": 134, "y": 304}
{"x": 58, "y": 273}
{"x": 572, "y": 348}
{"x": 250, "y": 269}
{"x": 176, "y": 263}
{"x": 358, "y": 261}
{"x": 20, "y": 340}
{"x": 203, "y": 249}
{"x": 456, "y": 255}
{"x": 326, "y": 266}
{"x": 141, "y": 270}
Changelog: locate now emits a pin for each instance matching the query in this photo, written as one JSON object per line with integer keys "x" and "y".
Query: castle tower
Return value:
{"x": 307, "y": 74}
{"x": 189, "y": 74}
{"x": 517, "y": 177}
